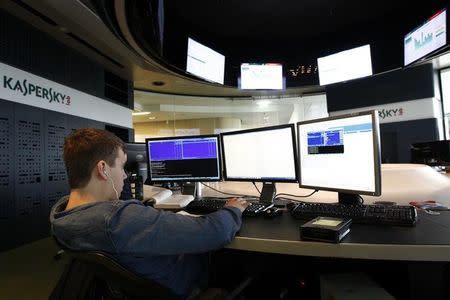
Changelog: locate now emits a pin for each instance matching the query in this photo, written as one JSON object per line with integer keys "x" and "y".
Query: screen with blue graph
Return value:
{"x": 326, "y": 141}
{"x": 184, "y": 159}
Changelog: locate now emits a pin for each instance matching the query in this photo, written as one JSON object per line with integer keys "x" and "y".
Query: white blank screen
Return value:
{"x": 345, "y": 65}
{"x": 204, "y": 62}
{"x": 445, "y": 83}
{"x": 338, "y": 154}
{"x": 258, "y": 155}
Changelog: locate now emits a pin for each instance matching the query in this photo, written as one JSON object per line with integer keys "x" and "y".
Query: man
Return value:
{"x": 165, "y": 247}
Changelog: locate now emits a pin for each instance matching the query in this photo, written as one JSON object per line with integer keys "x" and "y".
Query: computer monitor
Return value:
{"x": 428, "y": 38}
{"x": 341, "y": 154}
{"x": 265, "y": 155}
{"x": 136, "y": 159}
{"x": 184, "y": 159}
{"x": 205, "y": 62}
{"x": 268, "y": 76}
{"x": 435, "y": 153}
{"x": 345, "y": 65}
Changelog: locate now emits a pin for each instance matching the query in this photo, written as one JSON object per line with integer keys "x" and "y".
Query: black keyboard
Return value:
{"x": 363, "y": 214}
{"x": 206, "y": 206}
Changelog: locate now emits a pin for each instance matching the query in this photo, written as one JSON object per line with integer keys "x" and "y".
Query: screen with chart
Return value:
{"x": 204, "y": 62}
{"x": 427, "y": 38}
{"x": 345, "y": 65}
{"x": 340, "y": 154}
{"x": 184, "y": 159}
{"x": 262, "y": 76}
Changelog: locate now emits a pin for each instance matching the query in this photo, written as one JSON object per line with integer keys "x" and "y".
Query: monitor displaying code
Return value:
{"x": 188, "y": 159}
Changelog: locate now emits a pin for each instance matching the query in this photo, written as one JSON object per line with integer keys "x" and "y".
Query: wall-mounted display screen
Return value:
{"x": 261, "y": 76}
{"x": 205, "y": 62}
{"x": 345, "y": 65}
{"x": 427, "y": 38}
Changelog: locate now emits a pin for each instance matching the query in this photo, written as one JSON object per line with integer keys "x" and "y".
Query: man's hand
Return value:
{"x": 239, "y": 203}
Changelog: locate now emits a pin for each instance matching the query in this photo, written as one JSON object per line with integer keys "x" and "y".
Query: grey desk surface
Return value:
{"x": 429, "y": 240}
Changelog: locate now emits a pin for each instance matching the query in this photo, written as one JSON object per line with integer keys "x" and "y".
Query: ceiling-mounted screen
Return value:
{"x": 345, "y": 65}
{"x": 261, "y": 76}
{"x": 205, "y": 62}
{"x": 427, "y": 38}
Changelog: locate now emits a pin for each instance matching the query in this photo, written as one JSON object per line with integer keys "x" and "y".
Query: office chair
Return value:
{"x": 93, "y": 275}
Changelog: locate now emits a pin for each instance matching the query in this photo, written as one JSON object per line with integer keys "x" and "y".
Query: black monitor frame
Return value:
{"x": 134, "y": 148}
{"x": 349, "y": 196}
{"x": 268, "y": 191}
{"x": 184, "y": 180}
{"x": 136, "y": 169}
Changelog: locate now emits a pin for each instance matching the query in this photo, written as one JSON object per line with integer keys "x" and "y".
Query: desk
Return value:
{"x": 401, "y": 183}
{"x": 425, "y": 248}
{"x": 429, "y": 240}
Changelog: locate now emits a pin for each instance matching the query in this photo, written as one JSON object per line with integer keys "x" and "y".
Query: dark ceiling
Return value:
{"x": 294, "y": 33}
{"x": 270, "y": 19}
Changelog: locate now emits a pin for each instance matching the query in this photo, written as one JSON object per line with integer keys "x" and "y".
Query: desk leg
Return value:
{"x": 426, "y": 280}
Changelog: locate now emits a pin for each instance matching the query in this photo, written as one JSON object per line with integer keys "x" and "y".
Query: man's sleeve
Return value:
{"x": 138, "y": 229}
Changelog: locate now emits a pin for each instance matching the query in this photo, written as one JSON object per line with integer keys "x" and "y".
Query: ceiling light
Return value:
{"x": 141, "y": 113}
{"x": 151, "y": 118}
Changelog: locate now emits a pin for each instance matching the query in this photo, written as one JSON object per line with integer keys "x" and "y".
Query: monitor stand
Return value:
{"x": 268, "y": 192}
{"x": 192, "y": 188}
{"x": 349, "y": 199}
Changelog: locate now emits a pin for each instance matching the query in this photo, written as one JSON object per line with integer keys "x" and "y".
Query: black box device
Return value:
{"x": 325, "y": 229}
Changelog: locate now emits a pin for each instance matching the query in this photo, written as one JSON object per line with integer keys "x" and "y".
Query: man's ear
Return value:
{"x": 101, "y": 169}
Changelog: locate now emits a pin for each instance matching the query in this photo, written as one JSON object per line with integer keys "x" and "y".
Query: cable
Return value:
{"x": 256, "y": 187}
{"x": 238, "y": 195}
{"x": 114, "y": 188}
{"x": 291, "y": 195}
{"x": 361, "y": 200}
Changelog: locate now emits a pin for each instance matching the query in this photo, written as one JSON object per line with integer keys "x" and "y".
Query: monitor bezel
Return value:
{"x": 376, "y": 153}
{"x": 435, "y": 51}
{"x": 269, "y": 128}
{"x": 205, "y": 179}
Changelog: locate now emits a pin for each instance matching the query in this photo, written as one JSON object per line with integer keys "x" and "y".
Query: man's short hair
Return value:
{"x": 84, "y": 148}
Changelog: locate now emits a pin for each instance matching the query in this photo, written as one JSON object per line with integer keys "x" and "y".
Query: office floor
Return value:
{"x": 30, "y": 272}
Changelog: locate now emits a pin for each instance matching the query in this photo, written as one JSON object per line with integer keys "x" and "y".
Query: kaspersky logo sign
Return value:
{"x": 390, "y": 113}
{"x": 27, "y": 88}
